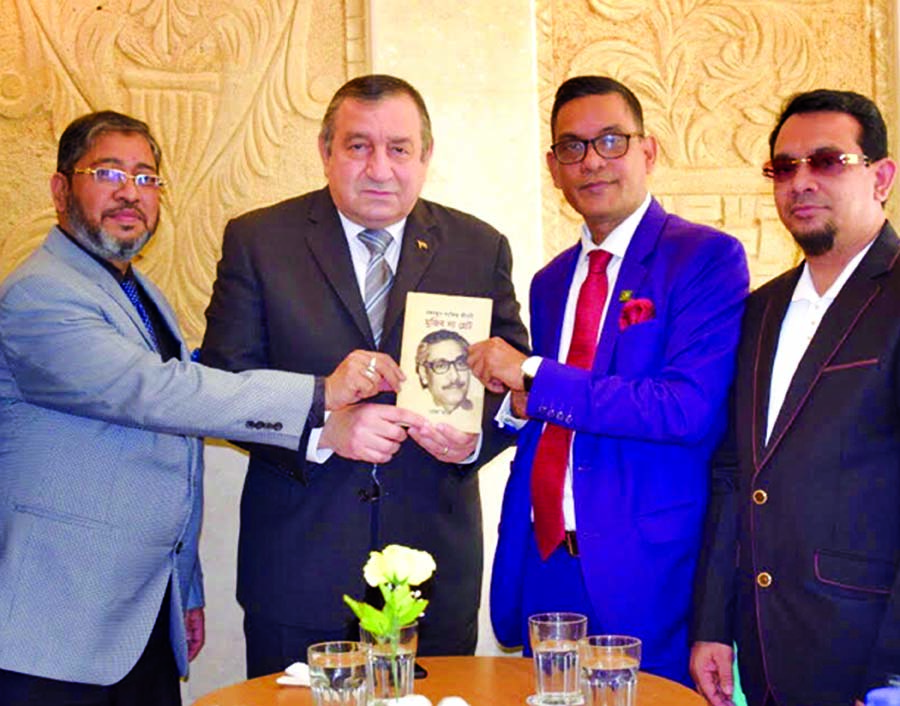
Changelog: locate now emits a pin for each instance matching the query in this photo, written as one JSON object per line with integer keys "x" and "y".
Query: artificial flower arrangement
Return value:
{"x": 394, "y": 571}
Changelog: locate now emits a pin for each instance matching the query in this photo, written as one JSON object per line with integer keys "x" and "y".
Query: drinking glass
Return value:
{"x": 609, "y": 668}
{"x": 337, "y": 673}
{"x": 554, "y": 641}
{"x": 391, "y": 665}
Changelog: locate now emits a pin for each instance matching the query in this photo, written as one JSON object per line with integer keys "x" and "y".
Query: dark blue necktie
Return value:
{"x": 129, "y": 286}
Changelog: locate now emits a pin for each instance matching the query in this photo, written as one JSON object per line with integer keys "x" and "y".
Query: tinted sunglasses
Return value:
{"x": 827, "y": 163}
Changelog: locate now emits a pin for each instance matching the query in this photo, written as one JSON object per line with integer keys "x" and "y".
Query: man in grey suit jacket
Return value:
{"x": 801, "y": 560}
{"x": 101, "y": 414}
{"x": 291, "y": 294}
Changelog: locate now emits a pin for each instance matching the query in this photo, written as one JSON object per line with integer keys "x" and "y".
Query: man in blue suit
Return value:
{"x": 101, "y": 411}
{"x": 634, "y": 331}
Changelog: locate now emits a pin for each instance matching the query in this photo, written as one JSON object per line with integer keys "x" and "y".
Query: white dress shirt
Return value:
{"x": 359, "y": 255}
{"x": 801, "y": 321}
{"x": 616, "y": 243}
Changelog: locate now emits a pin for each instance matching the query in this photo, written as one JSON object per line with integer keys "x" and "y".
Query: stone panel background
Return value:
{"x": 234, "y": 90}
{"x": 711, "y": 76}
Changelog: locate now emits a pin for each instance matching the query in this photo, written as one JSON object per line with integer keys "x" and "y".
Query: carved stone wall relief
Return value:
{"x": 233, "y": 91}
{"x": 712, "y": 76}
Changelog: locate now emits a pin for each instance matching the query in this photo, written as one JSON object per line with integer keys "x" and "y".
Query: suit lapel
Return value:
{"x": 421, "y": 242}
{"x": 329, "y": 248}
{"x": 764, "y": 358}
{"x": 631, "y": 276}
{"x": 61, "y": 247}
{"x": 837, "y": 324}
{"x": 558, "y": 281}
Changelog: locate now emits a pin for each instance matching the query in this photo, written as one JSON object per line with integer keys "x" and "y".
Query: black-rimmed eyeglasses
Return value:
{"x": 441, "y": 366}
{"x": 609, "y": 145}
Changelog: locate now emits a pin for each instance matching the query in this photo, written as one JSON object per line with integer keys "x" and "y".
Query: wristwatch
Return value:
{"x": 529, "y": 370}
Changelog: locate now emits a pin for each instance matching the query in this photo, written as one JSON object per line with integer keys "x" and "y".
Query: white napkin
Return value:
{"x": 295, "y": 675}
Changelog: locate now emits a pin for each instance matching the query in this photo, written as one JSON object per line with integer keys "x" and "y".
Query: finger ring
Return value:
{"x": 445, "y": 451}
{"x": 371, "y": 365}
{"x": 369, "y": 373}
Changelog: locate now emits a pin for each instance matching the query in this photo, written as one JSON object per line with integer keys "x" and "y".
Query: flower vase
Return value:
{"x": 391, "y": 665}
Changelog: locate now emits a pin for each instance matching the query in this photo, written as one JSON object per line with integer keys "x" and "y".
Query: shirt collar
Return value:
{"x": 352, "y": 229}
{"x": 806, "y": 290}
{"x": 619, "y": 238}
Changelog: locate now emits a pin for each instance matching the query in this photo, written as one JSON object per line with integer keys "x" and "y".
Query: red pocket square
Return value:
{"x": 636, "y": 311}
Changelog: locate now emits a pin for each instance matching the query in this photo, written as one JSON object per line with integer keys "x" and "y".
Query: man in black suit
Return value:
{"x": 301, "y": 285}
{"x": 800, "y": 563}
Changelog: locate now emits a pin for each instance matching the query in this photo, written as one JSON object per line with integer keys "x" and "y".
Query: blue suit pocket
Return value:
{"x": 67, "y": 518}
{"x": 854, "y": 572}
{"x": 672, "y": 523}
{"x": 639, "y": 348}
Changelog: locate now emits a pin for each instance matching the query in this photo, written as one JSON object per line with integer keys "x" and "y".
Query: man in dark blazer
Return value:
{"x": 291, "y": 294}
{"x": 645, "y": 404}
{"x": 802, "y": 548}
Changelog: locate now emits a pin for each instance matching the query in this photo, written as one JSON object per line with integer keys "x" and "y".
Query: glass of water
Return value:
{"x": 609, "y": 669}
{"x": 337, "y": 673}
{"x": 554, "y": 641}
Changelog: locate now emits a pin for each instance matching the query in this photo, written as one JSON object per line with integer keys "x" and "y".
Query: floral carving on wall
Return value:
{"x": 712, "y": 76}
{"x": 224, "y": 86}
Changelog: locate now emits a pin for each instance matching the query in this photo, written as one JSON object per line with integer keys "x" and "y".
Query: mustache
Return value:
{"x": 805, "y": 200}
{"x": 112, "y": 212}
{"x": 453, "y": 385}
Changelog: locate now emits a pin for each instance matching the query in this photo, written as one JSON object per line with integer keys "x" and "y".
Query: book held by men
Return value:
{"x": 437, "y": 331}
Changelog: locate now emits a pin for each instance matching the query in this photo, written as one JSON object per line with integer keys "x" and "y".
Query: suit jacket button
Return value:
{"x": 277, "y": 426}
{"x": 249, "y": 424}
{"x": 764, "y": 579}
{"x": 760, "y": 496}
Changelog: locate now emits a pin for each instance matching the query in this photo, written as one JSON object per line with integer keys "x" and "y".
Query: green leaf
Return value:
{"x": 412, "y": 611}
{"x": 371, "y": 619}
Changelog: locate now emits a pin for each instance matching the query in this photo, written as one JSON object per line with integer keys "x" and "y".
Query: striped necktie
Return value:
{"x": 129, "y": 286}
{"x": 378, "y": 279}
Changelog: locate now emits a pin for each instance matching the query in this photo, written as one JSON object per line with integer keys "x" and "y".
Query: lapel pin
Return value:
{"x": 422, "y": 245}
{"x": 625, "y": 295}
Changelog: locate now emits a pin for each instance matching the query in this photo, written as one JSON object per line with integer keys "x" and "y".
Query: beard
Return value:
{"x": 816, "y": 242}
{"x": 93, "y": 238}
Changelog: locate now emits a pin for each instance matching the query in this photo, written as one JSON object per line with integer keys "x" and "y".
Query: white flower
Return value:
{"x": 397, "y": 564}
{"x": 374, "y": 570}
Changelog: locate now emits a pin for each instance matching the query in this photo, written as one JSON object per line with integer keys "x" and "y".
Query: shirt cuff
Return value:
{"x": 313, "y": 453}
{"x": 474, "y": 456}
{"x": 505, "y": 417}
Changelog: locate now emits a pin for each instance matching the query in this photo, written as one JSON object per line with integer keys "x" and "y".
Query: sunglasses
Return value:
{"x": 828, "y": 163}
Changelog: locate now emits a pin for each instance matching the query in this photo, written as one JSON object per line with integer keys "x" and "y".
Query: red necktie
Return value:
{"x": 548, "y": 474}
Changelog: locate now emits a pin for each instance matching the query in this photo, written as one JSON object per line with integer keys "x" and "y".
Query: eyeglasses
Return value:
{"x": 441, "y": 366}
{"x": 828, "y": 163}
{"x": 609, "y": 145}
{"x": 118, "y": 178}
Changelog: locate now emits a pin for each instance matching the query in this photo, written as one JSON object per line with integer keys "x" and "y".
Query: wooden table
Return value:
{"x": 482, "y": 681}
